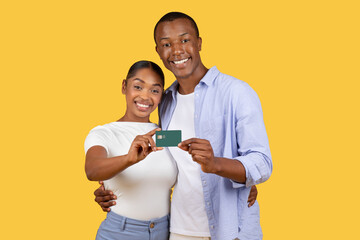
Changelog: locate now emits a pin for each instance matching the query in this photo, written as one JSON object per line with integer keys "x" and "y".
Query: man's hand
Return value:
{"x": 252, "y": 196}
{"x": 104, "y": 198}
{"x": 202, "y": 153}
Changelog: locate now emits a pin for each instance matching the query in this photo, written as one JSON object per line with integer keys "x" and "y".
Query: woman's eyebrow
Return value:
{"x": 138, "y": 79}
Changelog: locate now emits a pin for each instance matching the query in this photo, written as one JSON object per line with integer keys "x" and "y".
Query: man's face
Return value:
{"x": 178, "y": 47}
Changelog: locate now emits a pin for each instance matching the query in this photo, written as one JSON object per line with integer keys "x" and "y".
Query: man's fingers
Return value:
{"x": 199, "y": 159}
{"x": 102, "y": 192}
{"x": 198, "y": 153}
{"x": 105, "y": 198}
{"x": 106, "y": 205}
{"x": 184, "y": 147}
{"x": 251, "y": 203}
{"x": 195, "y": 143}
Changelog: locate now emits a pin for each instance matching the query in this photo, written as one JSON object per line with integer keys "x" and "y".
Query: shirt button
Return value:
{"x": 152, "y": 225}
{"x": 204, "y": 182}
{"x": 212, "y": 226}
{"x": 208, "y": 203}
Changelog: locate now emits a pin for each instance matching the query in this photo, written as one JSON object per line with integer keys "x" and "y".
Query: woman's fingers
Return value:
{"x": 152, "y": 132}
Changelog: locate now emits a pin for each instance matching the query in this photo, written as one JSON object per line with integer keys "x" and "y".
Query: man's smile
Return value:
{"x": 180, "y": 61}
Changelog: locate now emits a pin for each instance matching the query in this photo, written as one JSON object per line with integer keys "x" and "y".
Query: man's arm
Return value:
{"x": 253, "y": 164}
{"x": 202, "y": 153}
{"x": 105, "y": 198}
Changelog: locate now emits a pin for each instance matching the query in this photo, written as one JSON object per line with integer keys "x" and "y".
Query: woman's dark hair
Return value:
{"x": 171, "y": 16}
{"x": 146, "y": 64}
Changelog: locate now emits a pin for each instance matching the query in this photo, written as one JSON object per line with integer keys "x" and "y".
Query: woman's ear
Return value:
{"x": 123, "y": 88}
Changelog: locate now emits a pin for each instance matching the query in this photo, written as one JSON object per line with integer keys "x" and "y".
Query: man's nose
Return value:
{"x": 177, "y": 49}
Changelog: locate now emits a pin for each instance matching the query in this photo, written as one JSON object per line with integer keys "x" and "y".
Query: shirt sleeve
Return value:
{"x": 97, "y": 137}
{"x": 253, "y": 144}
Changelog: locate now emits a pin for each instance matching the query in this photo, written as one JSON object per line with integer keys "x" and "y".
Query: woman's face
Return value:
{"x": 143, "y": 93}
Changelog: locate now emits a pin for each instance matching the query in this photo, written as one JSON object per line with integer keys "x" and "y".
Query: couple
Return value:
{"x": 225, "y": 149}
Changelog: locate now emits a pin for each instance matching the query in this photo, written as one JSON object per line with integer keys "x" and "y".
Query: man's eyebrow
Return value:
{"x": 164, "y": 38}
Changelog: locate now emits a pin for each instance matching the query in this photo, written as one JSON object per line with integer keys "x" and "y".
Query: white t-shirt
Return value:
{"x": 143, "y": 189}
{"x": 188, "y": 215}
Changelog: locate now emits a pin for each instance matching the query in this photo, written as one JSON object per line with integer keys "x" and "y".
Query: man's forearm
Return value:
{"x": 230, "y": 168}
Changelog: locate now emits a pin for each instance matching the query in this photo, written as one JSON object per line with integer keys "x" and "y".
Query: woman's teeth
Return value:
{"x": 142, "y": 105}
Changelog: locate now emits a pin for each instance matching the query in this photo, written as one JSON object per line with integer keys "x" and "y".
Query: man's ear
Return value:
{"x": 123, "y": 88}
{"x": 157, "y": 50}
{"x": 199, "y": 43}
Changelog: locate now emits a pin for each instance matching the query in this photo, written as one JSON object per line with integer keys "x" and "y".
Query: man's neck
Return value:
{"x": 187, "y": 85}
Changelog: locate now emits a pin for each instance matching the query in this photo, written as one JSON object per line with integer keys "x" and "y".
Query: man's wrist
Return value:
{"x": 218, "y": 165}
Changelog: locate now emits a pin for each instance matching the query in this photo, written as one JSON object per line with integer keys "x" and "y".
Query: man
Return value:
{"x": 225, "y": 150}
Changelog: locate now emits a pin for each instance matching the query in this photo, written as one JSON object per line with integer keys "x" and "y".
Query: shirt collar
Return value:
{"x": 210, "y": 76}
{"x": 208, "y": 79}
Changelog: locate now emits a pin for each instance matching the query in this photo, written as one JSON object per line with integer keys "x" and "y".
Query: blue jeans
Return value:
{"x": 116, "y": 227}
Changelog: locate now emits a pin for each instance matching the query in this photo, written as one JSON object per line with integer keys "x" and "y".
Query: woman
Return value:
{"x": 124, "y": 154}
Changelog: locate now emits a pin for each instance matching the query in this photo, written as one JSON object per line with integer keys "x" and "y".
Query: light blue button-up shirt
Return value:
{"x": 228, "y": 113}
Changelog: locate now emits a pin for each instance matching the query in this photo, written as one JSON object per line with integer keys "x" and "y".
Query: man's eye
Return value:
{"x": 155, "y": 91}
{"x": 137, "y": 87}
{"x": 185, "y": 40}
{"x": 166, "y": 45}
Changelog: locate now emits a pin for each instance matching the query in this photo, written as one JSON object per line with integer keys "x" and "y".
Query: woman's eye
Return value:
{"x": 155, "y": 91}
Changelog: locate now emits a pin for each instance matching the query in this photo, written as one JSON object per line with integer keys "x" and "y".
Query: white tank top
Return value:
{"x": 143, "y": 189}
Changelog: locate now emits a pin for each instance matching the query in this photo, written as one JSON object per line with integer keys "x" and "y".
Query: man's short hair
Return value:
{"x": 171, "y": 16}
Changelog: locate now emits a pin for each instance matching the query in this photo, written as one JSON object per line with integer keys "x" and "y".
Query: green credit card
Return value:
{"x": 169, "y": 138}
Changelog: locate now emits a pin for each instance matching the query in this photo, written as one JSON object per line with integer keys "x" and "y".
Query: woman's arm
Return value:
{"x": 99, "y": 167}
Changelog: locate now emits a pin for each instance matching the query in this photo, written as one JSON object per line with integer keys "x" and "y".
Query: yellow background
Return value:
{"x": 61, "y": 68}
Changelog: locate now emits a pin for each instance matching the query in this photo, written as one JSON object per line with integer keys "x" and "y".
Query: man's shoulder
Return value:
{"x": 230, "y": 83}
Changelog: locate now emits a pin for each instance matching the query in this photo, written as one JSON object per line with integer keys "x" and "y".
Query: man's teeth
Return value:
{"x": 142, "y": 105}
{"x": 181, "y": 61}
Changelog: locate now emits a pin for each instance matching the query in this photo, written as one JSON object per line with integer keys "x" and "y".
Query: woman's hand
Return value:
{"x": 142, "y": 146}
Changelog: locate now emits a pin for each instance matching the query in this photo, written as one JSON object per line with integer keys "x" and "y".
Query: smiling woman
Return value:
{"x": 115, "y": 153}
{"x": 143, "y": 94}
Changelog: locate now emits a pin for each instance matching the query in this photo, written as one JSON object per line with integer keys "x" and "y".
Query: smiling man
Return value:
{"x": 225, "y": 150}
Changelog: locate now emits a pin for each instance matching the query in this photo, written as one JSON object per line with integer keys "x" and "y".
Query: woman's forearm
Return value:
{"x": 99, "y": 167}
{"x": 104, "y": 168}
